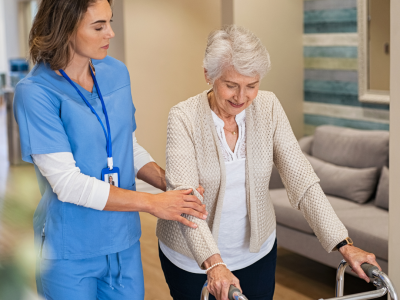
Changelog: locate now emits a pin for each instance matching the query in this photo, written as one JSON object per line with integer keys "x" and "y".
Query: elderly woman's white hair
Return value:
{"x": 238, "y": 47}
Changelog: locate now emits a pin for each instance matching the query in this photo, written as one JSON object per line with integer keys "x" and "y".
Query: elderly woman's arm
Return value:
{"x": 182, "y": 174}
{"x": 305, "y": 193}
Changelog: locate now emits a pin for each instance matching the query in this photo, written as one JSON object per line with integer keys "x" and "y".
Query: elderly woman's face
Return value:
{"x": 235, "y": 92}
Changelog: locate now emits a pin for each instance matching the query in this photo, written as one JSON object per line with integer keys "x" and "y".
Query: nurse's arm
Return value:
{"x": 146, "y": 168}
{"x": 154, "y": 175}
{"x": 168, "y": 205}
{"x": 71, "y": 186}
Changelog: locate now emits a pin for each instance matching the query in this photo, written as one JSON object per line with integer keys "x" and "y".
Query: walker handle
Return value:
{"x": 232, "y": 289}
{"x": 368, "y": 269}
{"x": 235, "y": 294}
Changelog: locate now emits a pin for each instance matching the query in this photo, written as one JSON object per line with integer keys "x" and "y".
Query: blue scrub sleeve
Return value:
{"x": 40, "y": 127}
{"x": 133, "y": 118}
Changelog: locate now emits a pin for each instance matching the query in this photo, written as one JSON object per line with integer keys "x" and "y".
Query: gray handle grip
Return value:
{"x": 368, "y": 268}
{"x": 232, "y": 289}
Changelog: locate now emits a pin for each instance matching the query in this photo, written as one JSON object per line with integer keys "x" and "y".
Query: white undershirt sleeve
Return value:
{"x": 72, "y": 186}
{"x": 141, "y": 156}
{"x": 69, "y": 183}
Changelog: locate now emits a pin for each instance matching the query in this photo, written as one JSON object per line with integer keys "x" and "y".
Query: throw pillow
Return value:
{"x": 354, "y": 184}
{"x": 382, "y": 194}
{"x": 351, "y": 147}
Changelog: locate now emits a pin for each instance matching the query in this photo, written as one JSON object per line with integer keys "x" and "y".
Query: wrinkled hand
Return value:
{"x": 171, "y": 205}
{"x": 220, "y": 278}
{"x": 356, "y": 257}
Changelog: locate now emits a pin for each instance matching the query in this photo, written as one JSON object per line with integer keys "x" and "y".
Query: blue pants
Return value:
{"x": 257, "y": 280}
{"x": 114, "y": 276}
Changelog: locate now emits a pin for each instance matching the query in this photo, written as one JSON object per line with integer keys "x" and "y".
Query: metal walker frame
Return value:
{"x": 378, "y": 279}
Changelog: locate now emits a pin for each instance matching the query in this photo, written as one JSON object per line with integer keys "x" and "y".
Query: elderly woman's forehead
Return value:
{"x": 230, "y": 74}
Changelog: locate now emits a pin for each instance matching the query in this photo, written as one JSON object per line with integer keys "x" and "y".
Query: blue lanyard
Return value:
{"x": 108, "y": 136}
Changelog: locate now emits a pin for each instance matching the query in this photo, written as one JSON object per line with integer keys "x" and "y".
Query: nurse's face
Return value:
{"x": 94, "y": 32}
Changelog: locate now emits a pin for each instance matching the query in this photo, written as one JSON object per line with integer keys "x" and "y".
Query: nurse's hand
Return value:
{"x": 201, "y": 190}
{"x": 171, "y": 205}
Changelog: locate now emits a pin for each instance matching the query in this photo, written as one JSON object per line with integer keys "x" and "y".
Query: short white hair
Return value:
{"x": 237, "y": 47}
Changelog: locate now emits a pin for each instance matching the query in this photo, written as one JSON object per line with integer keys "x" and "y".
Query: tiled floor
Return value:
{"x": 297, "y": 278}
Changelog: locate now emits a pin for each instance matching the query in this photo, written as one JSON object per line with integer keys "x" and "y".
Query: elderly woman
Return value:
{"x": 227, "y": 140}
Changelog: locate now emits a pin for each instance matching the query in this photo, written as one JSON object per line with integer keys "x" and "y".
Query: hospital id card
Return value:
{"x": 111, "y": 176}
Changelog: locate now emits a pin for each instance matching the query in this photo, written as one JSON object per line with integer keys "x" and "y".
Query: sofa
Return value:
{"x": 353, "y": 168}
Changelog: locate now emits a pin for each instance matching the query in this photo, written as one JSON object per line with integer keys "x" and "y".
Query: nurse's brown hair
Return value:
{"x": 55, "y": 22}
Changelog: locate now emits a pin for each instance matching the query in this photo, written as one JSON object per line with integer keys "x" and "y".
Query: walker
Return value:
{"x": 378, "y": 279}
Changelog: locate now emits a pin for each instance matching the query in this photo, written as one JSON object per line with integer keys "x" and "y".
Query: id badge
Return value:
{"x": 111, "y": 176}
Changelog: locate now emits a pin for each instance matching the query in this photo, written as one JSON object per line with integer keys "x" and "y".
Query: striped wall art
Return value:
{"x": 330, "y": 77}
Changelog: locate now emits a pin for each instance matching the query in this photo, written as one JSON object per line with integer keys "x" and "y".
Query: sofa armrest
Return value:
{"x": 275, "y": 182}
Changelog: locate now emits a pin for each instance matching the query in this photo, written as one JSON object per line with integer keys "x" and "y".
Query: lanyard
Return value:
{"x": 108, "y": 136}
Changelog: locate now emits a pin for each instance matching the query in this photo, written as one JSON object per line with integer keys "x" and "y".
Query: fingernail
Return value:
{"x": 194, "y": 226}
{"x": 204, "y": 217}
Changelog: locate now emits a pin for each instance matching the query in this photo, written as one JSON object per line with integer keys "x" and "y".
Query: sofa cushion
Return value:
{"x": 382, "y": 194}
{"x": 306, "y": 144}
{"x": 354, "y": 184}
{"x": 367, "y": 224}
{"x": 351, "y": 147}
{"x": 286, "y": 214}
{"x": 275, "y": 181}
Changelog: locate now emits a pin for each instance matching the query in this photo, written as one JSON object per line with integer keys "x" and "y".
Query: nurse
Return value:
{"x": 76, "y": 121}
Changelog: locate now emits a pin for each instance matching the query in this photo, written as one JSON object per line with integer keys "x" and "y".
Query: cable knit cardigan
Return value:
{"x": 194, "y": 158}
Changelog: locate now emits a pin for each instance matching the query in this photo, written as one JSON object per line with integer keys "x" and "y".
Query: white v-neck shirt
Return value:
{"x": 234, "y": 230}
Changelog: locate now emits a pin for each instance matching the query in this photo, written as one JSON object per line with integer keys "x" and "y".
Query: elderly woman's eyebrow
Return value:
{"x": 227, "y": 81}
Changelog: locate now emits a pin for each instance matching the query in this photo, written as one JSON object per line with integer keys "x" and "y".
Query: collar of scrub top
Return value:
{"x": 107, "y": 132}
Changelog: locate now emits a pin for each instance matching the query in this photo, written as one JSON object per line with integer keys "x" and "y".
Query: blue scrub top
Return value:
{"x": 52, "y": 117}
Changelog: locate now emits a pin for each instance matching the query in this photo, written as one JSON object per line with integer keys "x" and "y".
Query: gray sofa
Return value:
{"x": 352, "y": 166}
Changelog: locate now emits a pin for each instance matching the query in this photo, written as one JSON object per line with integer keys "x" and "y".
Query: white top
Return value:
{"x": 234, "y": 232}
{"x": 72, "y": 186}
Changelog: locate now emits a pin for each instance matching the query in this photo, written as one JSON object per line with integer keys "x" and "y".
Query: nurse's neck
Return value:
{"x": 79, "y": 72}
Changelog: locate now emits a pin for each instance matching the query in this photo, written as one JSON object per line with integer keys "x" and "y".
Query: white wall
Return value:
{"x": 117, "y": 45}
{"x": 279, "y": 24}
{"x": 11, "y": 27}
{"x": 3, "y": 52}
{"x": 164, "y": 47}
{"x": 394, "y": 187}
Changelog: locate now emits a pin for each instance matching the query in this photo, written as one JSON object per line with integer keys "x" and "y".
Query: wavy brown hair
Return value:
{"x": 55, "y": 22}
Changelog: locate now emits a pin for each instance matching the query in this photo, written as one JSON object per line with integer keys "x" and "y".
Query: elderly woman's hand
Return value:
{"x": 219, "y": 278}
{"x": 356, "y": 257}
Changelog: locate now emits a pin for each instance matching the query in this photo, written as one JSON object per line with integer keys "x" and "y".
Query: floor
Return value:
{"x": 297, "y": 278}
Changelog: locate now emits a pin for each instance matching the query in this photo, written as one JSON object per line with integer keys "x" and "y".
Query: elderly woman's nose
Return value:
{"x": 240, "y": 95}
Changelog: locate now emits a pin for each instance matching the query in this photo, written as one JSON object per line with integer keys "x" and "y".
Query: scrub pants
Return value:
{"x": 257, "y": 280}
{"x": 114, "y": 276}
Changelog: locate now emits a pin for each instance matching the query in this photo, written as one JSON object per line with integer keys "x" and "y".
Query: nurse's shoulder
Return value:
{"x": 33, "y": 91}
{"x": 113, "y": 69}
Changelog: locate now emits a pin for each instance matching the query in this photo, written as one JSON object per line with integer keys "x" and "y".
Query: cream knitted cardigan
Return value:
{"x": 194, "y": 158}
